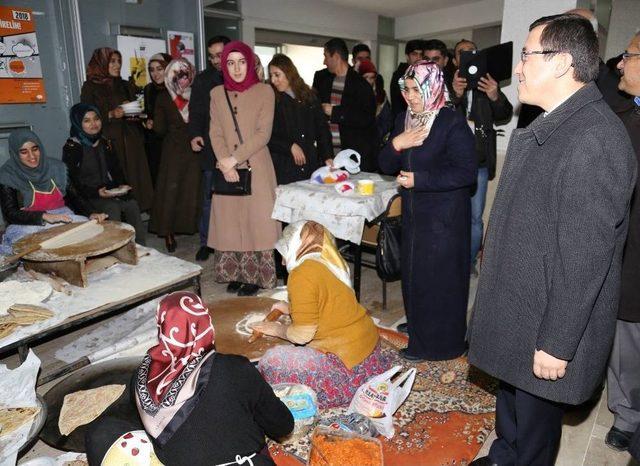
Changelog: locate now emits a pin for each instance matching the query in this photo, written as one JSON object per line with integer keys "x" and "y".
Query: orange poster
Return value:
{"x": 20, "y": 71}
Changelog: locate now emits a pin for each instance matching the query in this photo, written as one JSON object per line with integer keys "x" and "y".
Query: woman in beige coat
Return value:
{"x": 241, "y": 230}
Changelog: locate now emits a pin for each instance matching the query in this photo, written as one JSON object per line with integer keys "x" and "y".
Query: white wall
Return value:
{"x": 625, "y": 21}
{"x": 308, "y": 16}
{"x": 458, "y": 18}
{"x": 517, "y": 16}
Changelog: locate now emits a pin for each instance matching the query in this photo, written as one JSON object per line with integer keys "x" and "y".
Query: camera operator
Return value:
{"x": 483, "y": 107}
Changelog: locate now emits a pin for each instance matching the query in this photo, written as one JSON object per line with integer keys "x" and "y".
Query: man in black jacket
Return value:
{"x": 199, "y": 118}
{"x": 623, "y": 378}
{"x": 350, "y": 105}
{"x": 413, "y": 50}
{"x": 483, "y": 107}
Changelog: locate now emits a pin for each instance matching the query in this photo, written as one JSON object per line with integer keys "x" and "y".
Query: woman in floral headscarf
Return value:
{"x": 341, "y": 341}
{"x": 432, "y": 151}
{"x": 176, "y": 206}
{"x": 198, "y": 407}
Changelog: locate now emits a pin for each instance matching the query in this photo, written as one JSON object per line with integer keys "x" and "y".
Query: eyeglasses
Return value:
{"x": 627, "y": 55}
{"x": 524, "y": 55}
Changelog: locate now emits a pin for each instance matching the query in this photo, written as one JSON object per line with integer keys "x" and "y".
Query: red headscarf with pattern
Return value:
{"x": 185, "y": 332}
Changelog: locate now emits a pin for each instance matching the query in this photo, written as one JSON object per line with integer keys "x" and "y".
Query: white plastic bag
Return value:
{"x": 379, "y": 398}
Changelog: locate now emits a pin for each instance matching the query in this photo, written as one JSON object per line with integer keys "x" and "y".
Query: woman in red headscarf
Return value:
{"x": 242, "y": 231}
{"x": 176, "y": 205}
{"x": 432, "y": 150}
{"x": 384, "y": 117}
{"x": 197, "y": 407}
{"x": 106, "y": 90}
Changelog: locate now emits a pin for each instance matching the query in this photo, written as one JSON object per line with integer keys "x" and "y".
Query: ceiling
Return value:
{"x": 399, "y": 7}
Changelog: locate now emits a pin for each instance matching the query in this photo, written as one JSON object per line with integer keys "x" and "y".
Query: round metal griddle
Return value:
{"x": 117, "y": 371}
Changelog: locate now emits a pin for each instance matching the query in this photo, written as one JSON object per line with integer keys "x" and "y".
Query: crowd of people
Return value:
{"x": 555, "y": 256}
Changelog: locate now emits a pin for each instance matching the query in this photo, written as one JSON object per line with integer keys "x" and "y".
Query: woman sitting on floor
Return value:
{"x": 341, "y": 341}
{"x": 94, "y": 169}
{"x": 34, "y": 191}
{"x": 197, "y": 406}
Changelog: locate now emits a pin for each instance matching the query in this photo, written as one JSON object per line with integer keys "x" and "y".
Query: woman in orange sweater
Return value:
{"x": 340, "y": 341}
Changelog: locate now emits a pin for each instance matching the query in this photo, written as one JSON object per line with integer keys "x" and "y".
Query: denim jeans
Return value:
{"x": 207, "y": 186}
{"x": 477, "y": 209}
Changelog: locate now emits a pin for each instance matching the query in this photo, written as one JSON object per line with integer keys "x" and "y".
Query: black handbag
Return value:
{"x": 389, "y": 249}
{"x": 226, "y": 188}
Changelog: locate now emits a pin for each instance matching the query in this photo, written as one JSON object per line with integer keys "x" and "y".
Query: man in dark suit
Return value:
{"x": 483, "y": 107}
{"x": 545, "y": 309}
{"x": 350, "y": 105}
{"x": 198, "y": 126}
{"x": 623, "y": 378}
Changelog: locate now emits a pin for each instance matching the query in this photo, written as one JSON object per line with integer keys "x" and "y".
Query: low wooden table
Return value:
{"x": 115, "y": 290}
{"x": 71, "y": 262}
{"x": 227, "y": 313}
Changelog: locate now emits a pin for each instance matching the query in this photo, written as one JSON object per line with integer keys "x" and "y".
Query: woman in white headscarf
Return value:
{"x": 341, "y": 349}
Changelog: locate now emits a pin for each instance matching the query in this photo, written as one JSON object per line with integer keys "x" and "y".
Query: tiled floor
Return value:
{"x": 584, "y": 428}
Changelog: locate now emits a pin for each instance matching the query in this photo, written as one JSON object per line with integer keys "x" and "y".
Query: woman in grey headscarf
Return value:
{"x": 34, "y": 190}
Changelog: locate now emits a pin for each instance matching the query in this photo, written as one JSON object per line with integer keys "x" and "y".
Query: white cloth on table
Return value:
{"x": 343, "y": 215}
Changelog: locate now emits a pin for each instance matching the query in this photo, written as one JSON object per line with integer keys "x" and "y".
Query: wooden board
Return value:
{"x": 114, "y": 236}
{"x": 227, "y": 313}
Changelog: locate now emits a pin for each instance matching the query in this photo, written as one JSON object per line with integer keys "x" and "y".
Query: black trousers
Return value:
{"x": 528, "y": 428}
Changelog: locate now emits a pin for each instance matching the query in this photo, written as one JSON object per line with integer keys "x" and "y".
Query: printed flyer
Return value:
{"x": 20, "y": 70}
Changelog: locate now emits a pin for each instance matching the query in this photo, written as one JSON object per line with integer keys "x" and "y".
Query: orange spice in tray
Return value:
{"x": 329, "y": 449}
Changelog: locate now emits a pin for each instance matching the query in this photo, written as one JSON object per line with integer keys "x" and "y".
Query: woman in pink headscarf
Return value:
{"x": 241, "y": 230}
{"x": 431, "y": 150}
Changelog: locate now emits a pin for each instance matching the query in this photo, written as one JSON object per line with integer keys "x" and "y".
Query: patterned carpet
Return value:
{"x": 445, "y": 420}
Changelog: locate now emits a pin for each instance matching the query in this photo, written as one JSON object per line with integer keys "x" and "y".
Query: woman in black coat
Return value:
{"x": 153, "y": 140}
{"x": 95, "y": 172}
{"x": 300, "y": 139}
{"x": 433, "y": 149}
{"x": 107, "y": 91}
{"x": 197, "y": 407}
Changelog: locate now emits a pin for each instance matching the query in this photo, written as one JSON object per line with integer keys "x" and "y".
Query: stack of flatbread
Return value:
{"x": 22, "y": 315}
{"x": 11, "y": 419}
{"x": 82, "y": 407}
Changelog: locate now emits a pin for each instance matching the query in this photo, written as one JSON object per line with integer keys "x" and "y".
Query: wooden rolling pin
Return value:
{"x": 56, "y": 241}
{"x": 271, "y": 317}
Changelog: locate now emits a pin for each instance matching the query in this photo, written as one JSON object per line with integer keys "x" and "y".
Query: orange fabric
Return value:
{"x": 318, "y": 298}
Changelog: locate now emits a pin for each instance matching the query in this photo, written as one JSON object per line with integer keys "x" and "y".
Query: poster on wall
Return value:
{"x": 20, "y": 70}
{"x": 181, "y": 45}
{"x": 136, "y": 52}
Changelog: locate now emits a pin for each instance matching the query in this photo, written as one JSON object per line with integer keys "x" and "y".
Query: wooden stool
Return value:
{"x": 71, "y": 262}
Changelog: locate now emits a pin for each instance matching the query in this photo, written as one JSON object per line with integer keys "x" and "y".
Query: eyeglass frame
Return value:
{"x": 627, "y": 55}
{"x": 524, "y": 55}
